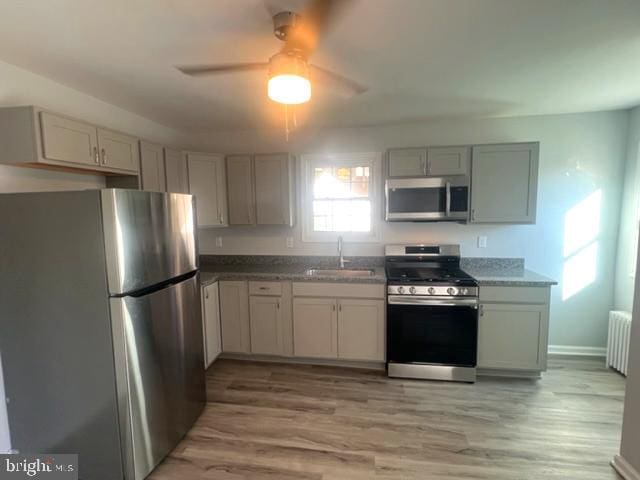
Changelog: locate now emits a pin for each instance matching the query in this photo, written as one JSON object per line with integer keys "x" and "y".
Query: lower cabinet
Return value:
{"x": 513, "y": 328}
{"x": 315, "y": 329}
{"x": 265, "y": 318}
{"x": 211, "y": 323}
{"x": 234, "y": 313}
{"x": 361, "y": 332}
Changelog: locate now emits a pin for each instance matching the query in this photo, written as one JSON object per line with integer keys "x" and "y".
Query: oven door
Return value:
{"x": 432, "y": 331}
{"x": 427, "y": 199}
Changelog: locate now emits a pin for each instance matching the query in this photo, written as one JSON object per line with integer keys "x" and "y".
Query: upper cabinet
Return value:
{"x": 504, "y": 183}
{"x": 260, "y": 189}
{"x": 152, "y": 172}
{"x": 176, "y": 174}
{"x": 428, "y": 162}
{"x": 33, "y": 137}
{"x": 207, "y": 183}
{"x": 240, "y": 190}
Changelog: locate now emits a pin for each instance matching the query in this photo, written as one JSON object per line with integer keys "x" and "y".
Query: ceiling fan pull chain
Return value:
{"x": 286, "y": 123}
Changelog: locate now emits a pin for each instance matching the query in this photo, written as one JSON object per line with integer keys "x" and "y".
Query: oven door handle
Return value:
{"x": 432, "y": 302}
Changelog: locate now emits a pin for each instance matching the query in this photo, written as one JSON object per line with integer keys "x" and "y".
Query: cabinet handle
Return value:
{"x": 206, "y": 294}
{"x": 96, "y": 157}
{"x": 278, "y": 304}
{"x": 473, "y": 214}
{"x": 428, "y": 172}
{"x": 104, "y": 156}
{"x": 339, "y": 307}
{"x": 481, "y": 310}
{"x": 424, "y": 166}
{"x": 333, "y": 307}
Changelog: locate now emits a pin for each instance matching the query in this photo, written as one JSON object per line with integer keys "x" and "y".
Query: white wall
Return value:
{"x": 579, "y": 154}
{"x": 20, "y": 87}
{"x": 624, "y": 280}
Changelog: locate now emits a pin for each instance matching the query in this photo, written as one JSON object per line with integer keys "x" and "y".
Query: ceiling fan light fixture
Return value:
{"x": 288, "y": 80}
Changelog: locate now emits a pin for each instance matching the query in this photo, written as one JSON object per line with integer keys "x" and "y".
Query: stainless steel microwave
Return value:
{"x": 427, "y": 199}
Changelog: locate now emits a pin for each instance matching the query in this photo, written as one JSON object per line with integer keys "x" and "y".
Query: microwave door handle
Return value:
{"x": 448, "y": 200}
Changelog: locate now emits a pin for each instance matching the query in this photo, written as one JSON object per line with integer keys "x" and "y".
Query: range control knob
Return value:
{"x": 400, "y": 290}
{"x": 451, "y": 291}
{"x": 464, "y": 291}
{"x": 412, "y": 290}
{"x": 431, "y": 291}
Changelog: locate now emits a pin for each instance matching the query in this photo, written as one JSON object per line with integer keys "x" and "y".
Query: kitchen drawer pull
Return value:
{"x": 104, "y": 156}
{"x": 96, "y": 156}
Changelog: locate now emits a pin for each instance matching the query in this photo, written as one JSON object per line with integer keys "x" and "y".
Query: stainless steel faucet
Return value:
{"x": 342, "y": 260}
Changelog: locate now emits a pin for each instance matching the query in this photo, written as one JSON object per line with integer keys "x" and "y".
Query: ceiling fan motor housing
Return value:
{"x": 283, "y": 22}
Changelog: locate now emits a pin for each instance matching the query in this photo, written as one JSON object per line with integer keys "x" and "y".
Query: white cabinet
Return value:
{"x": 265, "y": 320}
{"x": 240, "y": 190}
{"x": 118, "y": 151}
{"x": 361, "y": 329}
{"x": 273, "y": 189}
{"x": 207, "y": 182}
{"x": 315, "y": 332}
{"x": 504, "y": 183}
{"x": 407, "y": 162}
{"x": 69, "y": 140}
{"x": 513, "y": 328}
{"x": 443, "y": 161}
{"x": 175, "y": 168}
{"x": 152, "y": 173}
{"x": 211, "y": 323}
{"x": 234, "y": 315}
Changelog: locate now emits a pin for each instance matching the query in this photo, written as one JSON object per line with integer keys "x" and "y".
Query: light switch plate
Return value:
{"x": 482, "y": 241}
{"x": 218, "y": 242}
{"x": 289, "y": 242}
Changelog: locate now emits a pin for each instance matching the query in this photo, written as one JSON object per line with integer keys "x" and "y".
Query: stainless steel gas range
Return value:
{"x": 432, "y": 314}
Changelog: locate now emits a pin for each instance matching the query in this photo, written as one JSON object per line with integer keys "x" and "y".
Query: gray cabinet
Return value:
{"x": 240, "y": 190}
{"x": 207, "y": 182}
{"x": 31, "y": 136}
{"x": 443, "y": 161}
{"x": 513, "y": 328}
{"x": 504, "y": 183}
{"x": 176, "y": 175}
{"x": 211, "y": 323}
{"x": 118, "y": 151}
{"x": 361, "y": 329}
{"x": 273, "y": 189}
{"x": 315, "y": 332}
{"x": 270, "y": 318}
{"x": 152, "y": 173}
{"x": 407, "y": 162}
{"x": 234, "y": 317}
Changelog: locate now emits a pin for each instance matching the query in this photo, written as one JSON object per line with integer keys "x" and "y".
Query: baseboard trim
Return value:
{"x": 507, "y": 373}
{"x": 624, "y": 468}
{"x": 577, "y": 351}
{"x": 327, "y": 362}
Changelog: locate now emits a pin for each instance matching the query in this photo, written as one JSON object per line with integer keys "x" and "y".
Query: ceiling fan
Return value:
{"x": 289, "y": 72}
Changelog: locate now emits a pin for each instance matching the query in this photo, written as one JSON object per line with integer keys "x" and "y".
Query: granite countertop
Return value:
{"x": 486, "y": 271}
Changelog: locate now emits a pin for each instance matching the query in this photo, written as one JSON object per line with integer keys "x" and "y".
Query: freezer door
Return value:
{"x": 149, "y": 237}
{"x": 159, "y": 371}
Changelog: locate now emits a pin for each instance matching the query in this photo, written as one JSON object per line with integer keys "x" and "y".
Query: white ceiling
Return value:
{"x": 423, "y": 59}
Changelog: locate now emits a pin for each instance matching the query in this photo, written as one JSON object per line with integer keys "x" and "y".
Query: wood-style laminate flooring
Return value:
{"x": 281, "y": 421}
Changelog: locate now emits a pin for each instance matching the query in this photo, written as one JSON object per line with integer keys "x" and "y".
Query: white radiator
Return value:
{"x": 618, "y": 343}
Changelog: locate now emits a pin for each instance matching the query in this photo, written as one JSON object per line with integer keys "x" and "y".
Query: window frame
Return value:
{"x": 309, "y": 162}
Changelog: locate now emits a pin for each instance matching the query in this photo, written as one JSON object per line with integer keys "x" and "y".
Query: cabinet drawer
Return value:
{"x": 265, "y": 288}
{"x": 530, "y": 295}
{"x": 338, "y": 290}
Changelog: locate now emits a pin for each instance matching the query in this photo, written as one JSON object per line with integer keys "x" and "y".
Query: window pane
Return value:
{"x": 359, "y": 189}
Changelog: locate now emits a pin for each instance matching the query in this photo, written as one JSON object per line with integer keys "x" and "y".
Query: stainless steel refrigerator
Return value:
{"x": 100, "y": 326}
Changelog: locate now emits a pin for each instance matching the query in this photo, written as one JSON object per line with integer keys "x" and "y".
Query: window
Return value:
{"x": 339, "y": 196}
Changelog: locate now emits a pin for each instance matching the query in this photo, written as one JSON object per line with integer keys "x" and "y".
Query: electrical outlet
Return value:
{"x": 219, "y": 242}
{"x": 289, "y": 242}
{"x": 482, "y": 241}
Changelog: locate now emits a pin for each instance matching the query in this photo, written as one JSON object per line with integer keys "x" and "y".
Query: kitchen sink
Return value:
{"x": 339, "y": 272}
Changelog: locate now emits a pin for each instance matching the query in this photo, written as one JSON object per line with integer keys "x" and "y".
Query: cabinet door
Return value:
{"x": 315, "y": 328}
{"x": 448, "y": 161}
{"x": 208, "y": 184}
{"x": 512, "y": 336}
{"x": 211, "y": 323}
{"x": 234, "y": 317}
{"x": 504, "y": 183}
{"x": 361, "y": 329}
{"x": 118, "y": 151}
{"x": 175, "y": 168}
{"x": 273, "y": 190}
{"x": 266, "y": 320}
{"x": 407, "y": 162}
{"x": 240, "y": 189}
{"x": 152, "y": 173}
{"x": 69, "y": 140}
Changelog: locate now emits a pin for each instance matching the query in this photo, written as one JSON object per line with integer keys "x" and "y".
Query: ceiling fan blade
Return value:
{"x": 201, "y": 70}
{"x": 314, "y": 22}
{"x": 335, "y": 82}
